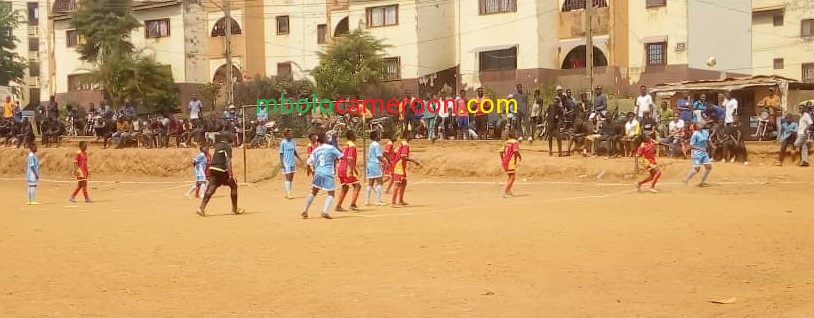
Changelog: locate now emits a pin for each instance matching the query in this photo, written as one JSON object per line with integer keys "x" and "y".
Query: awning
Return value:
{"x": 771, "y": 8}
{"x": 654, "y": 39}
{"x": 492, "y": 48}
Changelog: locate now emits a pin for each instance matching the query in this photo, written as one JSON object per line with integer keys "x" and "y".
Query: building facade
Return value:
{"x": 783, "y": 38}
{"x": 28, "y": 34}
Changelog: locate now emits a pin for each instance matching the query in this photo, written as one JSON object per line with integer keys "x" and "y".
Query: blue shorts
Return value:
{"x": 200, "y": 178}
{"x": 373, "y": 171}
{"x": 700, "y": 158}
{"x": 463, "y": 121}
{"x": 289, "y": 169}
{"x": 323, "y": 182}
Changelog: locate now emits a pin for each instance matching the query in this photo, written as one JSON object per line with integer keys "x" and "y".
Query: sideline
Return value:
{"x": 111, "y": 182}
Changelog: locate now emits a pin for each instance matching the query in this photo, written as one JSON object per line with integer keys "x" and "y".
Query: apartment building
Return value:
{"x": 28, "y": 48}
{"x": 171, "y": 31}
{"x": 248, "y": 38}
{"x": 783, "y": 38}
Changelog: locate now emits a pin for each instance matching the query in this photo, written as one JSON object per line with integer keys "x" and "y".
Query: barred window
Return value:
{"x": 497, "y": 6}
{"x": 808, "y": 73}
{"x": 656, "y": 53}
{"x": 392, "y": 68}
{"x": 574, "y": 5}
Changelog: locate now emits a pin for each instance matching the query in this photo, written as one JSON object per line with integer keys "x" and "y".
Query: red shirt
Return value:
{"x": 349, "y": 154}
{"x": 311, "y": 148}
{"x": 648, "y": 150}
{"x": 510, "y": 149}
{"x": 208, "y": 161}
{"x": 81, "y": 160}
{"x": 400, "y": 166}
{"x": 477, "y": 106}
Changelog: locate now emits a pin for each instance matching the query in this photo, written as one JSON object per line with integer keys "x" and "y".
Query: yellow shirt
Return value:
{"x": 8, "y": 109}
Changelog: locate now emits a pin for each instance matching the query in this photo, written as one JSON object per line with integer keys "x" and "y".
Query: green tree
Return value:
{"x": 209, "y": 94}
{"x": 350, "y": 66}
{"x": 13, "y": 66}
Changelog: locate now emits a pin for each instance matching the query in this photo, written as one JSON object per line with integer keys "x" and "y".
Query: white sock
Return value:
{"x": 378, "y": 193}
{"x": 368, "y": 192}
{"x": 308, "y": 201}
{"x": 288, "y": 187}
{"x": 327, "y": 207}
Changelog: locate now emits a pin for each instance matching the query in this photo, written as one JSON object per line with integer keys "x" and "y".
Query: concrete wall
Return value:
{"x": 435, "y": 27}
{"x": 771, "y": 42}
{"x": 720, "y": 29}
{"x": 21, "y": 33}
{"x": 195, "y": 36}
{"x": 299, "y": 46}
{"x": 651, "y": 24}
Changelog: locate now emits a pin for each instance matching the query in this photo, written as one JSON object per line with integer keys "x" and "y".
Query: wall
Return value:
{"x": 195, "y": 65}
{"x": 646, "y": 25}
{"x": 21, "y": 33}
{"x": 436, "y": 29}
{"x": 167, "y": 50}
{"x": 402, "y": 38}
{"x": 299, "y": 46}
{"x": 720, "y": 29}
{"x": 770, "y": 42}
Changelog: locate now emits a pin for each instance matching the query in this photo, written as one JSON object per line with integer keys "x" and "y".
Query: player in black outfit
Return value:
{"x": 220, "y": 173}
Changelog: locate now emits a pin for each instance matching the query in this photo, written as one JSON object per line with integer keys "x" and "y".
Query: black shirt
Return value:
{"x": 219, "y": 158}
{"x": 554, "y": 113}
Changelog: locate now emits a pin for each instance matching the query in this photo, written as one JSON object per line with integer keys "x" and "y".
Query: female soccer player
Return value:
{"x": 201, "y": 166}
{"x": 80, "y": 161}
{"x": 509, "y": 157}
{"x": 348, "y": 174}
{"x": 288, "y": 151}
{"x": 32, "y": 174}
{"x": 698, "y": 143}
{"x": 647, "y": 149}
{"x": 323, "y": 159}
{"x": 390, "y": 155}
{"x": 402, "y": 157}
{"x": 373, "y": 170}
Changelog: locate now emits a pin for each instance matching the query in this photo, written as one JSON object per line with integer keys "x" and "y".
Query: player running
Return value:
{"x": 32, "y": 174}
{"x": 647, "y": 151}
{"x": 698, "y": 143}
{"x": 402, "y": 157}
{"x": 201, "y": 166}
{"x": 348, "y": 174}
{"x": 288, "y": 151}
{"x": 390, "y": 155}
{"x": 80, "y": 161}
{"x": 323, "y": 159}
{"x": 220, "y": 173}
{"x": 509, "y": 157}
{"x": 373, "y": 169}
{"x": 312, "y": 137}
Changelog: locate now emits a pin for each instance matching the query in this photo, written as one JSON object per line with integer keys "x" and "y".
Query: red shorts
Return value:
{"x": 399, "y": 177}
{"x": 345, "y": 179}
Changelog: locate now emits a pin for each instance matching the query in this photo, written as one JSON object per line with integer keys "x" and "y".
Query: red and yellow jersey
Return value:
{"x": 509, "y": 154}
{"x": 648, "y": 150}
{"x": 81, "y": 160}
{"x": 311, "y": 147}
{"x": 348, "y": 161}
{"x": 400, "y": 164}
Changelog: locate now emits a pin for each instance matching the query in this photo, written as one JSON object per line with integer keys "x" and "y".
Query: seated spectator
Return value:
{"x": 579, "y": 137}
{"x": 26, "y": 136}
{"x": 737, "y": 146}
{"x": 122, "y": 134}
{"x": 632, "y": 131}
{"x": 607, "y": 134}
{"x": 675, "y": 133}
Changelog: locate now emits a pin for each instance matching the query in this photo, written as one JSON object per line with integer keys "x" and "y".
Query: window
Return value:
{"x": 284, "y": 69}
{"x": 391, "y": 68}
{"x": 220, "y": 28}
{"x": 655, "y": 3}
{"x": 322, "y": 33}
{"x": 807, "y": 28}
{"x": 574, "y": 5}
{"x": 33, "y": 13}
{"x": 33, "y": 44}
{"x": 382, "y": 16}
{"x": 498, "y": 6}
{"x": 33, "y": 69}
{"x": 154, "y": 29}
{"x": 778, "y": 64}
{"x": 498, "y": 60}
{"x": 808, "y": 73}
{"x": 72, "y": 38}
{"x": 282, "y": 24}
{"x": 80, "y": 82}
{"x": 656, "y": 53}
{"x": 777, "y": 20}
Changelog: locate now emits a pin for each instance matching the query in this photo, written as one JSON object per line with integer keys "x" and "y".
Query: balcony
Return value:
{"x": 572, "y": 25}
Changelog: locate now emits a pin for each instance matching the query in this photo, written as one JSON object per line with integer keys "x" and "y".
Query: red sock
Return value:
{"x": 197, "y": 190}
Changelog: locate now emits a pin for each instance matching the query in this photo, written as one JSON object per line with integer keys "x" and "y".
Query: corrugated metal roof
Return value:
{"x": 727, "y": 84}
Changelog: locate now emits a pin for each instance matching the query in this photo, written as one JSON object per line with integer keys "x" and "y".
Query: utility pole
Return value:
{"x": 229, "y": 76}
{"x": 589, "y": 46}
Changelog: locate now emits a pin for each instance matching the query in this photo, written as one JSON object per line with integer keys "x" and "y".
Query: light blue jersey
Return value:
{"x": 32, "y": 169}
{"x": 699, "y": 141}
{"x": 288, "y": 148}
{"x": 200, "y": 167}
{"x": 323, "y": 159}
{"x": 373, "y": 169}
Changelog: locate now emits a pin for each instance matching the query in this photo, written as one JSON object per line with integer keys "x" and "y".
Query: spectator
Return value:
{"x": 195, "y": 107}
{"x": 665, "y": 116}
{"x": 481, "y": 118}
{"x": 600, "y": 102}
{"x": 731, "y": 109}
{"x": 632, "y": 131}
{"x": 122, "y": 132}
{"x": 52, "y": 109}
{"x": 644, "y": 103}
{"x": 802, "y": 134}
{"x": 128, "y": 110}
{"x": 607, "y": 134}
{"x": 698, "y": 109}
{"x": 772, "y": 102}
{"x": 521, "y": 122}
{"x": 18, "y": 113}
{"x": 684, "y": 107}
{"x": 8, "y": 109}
{"x": 788, "y": 134}
{"x": 675, "y": 133}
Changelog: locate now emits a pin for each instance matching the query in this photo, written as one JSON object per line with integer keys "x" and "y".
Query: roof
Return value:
{"x": 64, "y": 8}
{"x": 769, "y": 8}
{"x": 731, "y": 84}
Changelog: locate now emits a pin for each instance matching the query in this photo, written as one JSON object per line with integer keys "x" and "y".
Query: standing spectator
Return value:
{"x": 462, "y": 124}
{"x": 408, "y": 115}
{"x": 731, "y": 107}
{"x": 8, "y": 108}
{"x": 128, "y": 110}
{"x": 665, "y": 116}
{"x": 632, "y": 131}
{"x": 431, "y": 112}
{"x": 788, "y": 134}
{"x": 52, "y": 109}
{"x": 600, "y": 102}
{"x": 553, "y": 119}
{"x": 802, "y": 135}
{"x": 445, "y": 113}
{"x": 195, "y": 107}
{"x": 481, "y": 118}
{"x": 698, "y": 108}
{"x": 536, "y": 114}
{"x": 684, "y": 107}
{"x": 521, "y": 121}
{"x": 644, "y": 103}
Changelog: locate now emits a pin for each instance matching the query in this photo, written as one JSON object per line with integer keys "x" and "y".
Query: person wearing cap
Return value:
{"x": 802, "y": 135}
{"x": 600, "y": 101}
{"x": 772, "y": 102}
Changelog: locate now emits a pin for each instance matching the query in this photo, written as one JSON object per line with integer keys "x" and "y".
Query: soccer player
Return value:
{"x": 647, "y": 149}
{"x": 698, "y": 143}
{"x": 323, "y": 159}
{"x": 390, "y": 155}
{"x": 32, "y": 174}
{"x": 348, "y": 176}
{"x": 80, "y": 161}
{"x": 373, "y": 169}
{"x": 288, "y": 151}
{"x": 509, "y": 157}
{"x": 402, "y": 157}
{"x": 220, "y": 173}
{"x": 201, "y": 165}
{"x": 310, "y": 149}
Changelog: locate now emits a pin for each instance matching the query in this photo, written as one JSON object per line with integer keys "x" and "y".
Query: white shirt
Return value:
{"x": 731, "y": 106}
{"x": 676, "y": 126}
{"x": 644, "y": 104}
{"x": 195, "y": 109}
{"x": 802, "y": 126}
{"x": 445, "y": 108}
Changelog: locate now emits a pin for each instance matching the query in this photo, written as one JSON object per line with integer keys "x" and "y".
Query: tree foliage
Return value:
{"x": 105, "y": 27}
{"x": 209, "y": 94}
{"x": 350, "y": 66}
{"x": 12, "y": 65}
{"x": 248, "y": 92}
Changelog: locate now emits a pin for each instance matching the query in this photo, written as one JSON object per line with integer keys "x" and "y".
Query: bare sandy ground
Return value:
{"x": 566, "y": 246}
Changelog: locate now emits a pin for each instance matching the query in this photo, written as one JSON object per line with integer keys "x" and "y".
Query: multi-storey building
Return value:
{"x": 783, "y": 38}
{"x": 28, "y": 34}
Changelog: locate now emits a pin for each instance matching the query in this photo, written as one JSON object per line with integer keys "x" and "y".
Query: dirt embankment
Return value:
{"x": 455, "y": 160}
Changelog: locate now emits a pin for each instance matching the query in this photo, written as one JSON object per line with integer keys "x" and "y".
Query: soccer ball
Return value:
{"x": 711, "y": 61}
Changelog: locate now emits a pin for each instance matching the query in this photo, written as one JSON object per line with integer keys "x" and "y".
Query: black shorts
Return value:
{"x": 220, "y": 178}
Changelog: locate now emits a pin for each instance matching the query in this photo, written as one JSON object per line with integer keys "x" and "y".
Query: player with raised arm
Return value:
{"x": 80, "y": 161}
{"x": 402, "y": 158}
{"x": 373, "y": 170}
{"x": 509, "y": 157}
{"x": 220, "y": 173}
{"x": 288, "y": 151}
{"x": 323, "y": 159}
{"x": 348, "y": 176}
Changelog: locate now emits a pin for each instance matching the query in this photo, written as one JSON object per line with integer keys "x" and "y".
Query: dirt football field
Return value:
{"x": 576, "y": 241}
